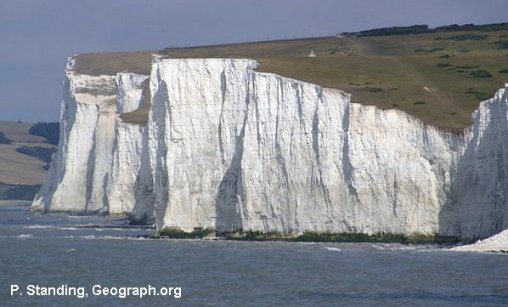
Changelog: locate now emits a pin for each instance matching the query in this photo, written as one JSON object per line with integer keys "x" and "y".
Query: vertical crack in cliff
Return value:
{"x": 278, "y": 149}
{"x": 315, "y": 147}
{"x": 231, "y": 195}
{"x": 161, "y": 106}
{"x": 347, "y": 166}
{"x": 143, "y": 211}
{"x": 105, "y": 202}
{"x": 255, "y": 99}
{"x": 91, "y": 163}
{"x": 278, "y": 153}
{"x": 65, "y": 130}
{"x": 395, "y": 195}
{"x": 221, "y": 116}
{"x": 298, "y": 93}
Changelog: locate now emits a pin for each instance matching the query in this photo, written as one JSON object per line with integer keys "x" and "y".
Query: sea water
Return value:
{"x": 60, "y": 259}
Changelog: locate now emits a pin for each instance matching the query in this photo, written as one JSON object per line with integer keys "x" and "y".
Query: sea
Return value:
{"x": 65, "y": 260}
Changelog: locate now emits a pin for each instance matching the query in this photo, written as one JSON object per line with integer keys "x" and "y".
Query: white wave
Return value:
{"x": 335, "y": 249}
{"x": 404, "y": 247}
{"x": 50, "y": 227}
{"x": 39, "y": 226}
{"x": 123, "y": 238}
{"x": 90, "y": 237}
{"x": 24, "y": 236}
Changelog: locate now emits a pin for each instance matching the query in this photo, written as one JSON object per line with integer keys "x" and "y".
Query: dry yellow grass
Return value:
{"x": 114, "y": 62}
{"x": 17, "y": 168}
{"x": 18, "y": 132}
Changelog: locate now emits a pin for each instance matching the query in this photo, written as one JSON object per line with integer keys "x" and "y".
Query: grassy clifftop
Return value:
{"x": 439, "y": 77}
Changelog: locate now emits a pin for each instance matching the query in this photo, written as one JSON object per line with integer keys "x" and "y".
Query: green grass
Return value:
{"x": 428, "y": 50}
{"x": 387, "y": 62}
{"x": 442, "y": 65}
{"x": 377, "y": 238}
{"x": 406, "y": 62}
{"x": 374, "y": 89}
{"x": 467, "y": 36}
{"x": 478, "y": 95}
{"x": 467, "y": 66}
{"x": 177, "y": 233}
{"x": 501, "y": 44}
{"x": 114, "y": 62}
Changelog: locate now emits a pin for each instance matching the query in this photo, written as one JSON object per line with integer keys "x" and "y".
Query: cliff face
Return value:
{"x": 229, "y": 148}
{"x": 79, "y": 172}
{"x": 255, "y": 151}
{"x": 478, "y": 202}
{"x": 127, "y": 147}
{"x": 97, "y": 157}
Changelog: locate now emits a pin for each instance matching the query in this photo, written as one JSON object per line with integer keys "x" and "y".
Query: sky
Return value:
{"x": 37, "y": 36}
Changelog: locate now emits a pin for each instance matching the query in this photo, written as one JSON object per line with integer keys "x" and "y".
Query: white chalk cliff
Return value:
{"x": 79, "y": 172}
{"x": 230, "y": 148}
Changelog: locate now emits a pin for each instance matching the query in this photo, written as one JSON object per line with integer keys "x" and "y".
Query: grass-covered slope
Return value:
{"x": 439, "y": 77}
{"x": 22, "y": 174}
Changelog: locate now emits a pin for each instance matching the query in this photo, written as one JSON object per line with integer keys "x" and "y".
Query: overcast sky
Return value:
{"x": 37, "y": 36}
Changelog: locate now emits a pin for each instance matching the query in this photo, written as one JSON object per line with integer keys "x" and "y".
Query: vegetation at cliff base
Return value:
{"x": 308, "y": 236}
{"x": 177, "y": 233}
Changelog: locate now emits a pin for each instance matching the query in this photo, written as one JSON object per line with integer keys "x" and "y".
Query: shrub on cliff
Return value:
{"x": 501, "y": 44}
{"x": 4, "y": 139}
{"x": 18, "y": 191}
{"x": 48, "y": 130}
{"x": 42, "y": 153}
{"x": 480, "y": 73}
{"x": 469, "y": 36}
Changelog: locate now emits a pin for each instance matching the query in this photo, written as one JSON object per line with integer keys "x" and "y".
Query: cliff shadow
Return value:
{"x": 230, "y": 195}
{"x": 477, "y": 204}
{"x": 144, "y": 205}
